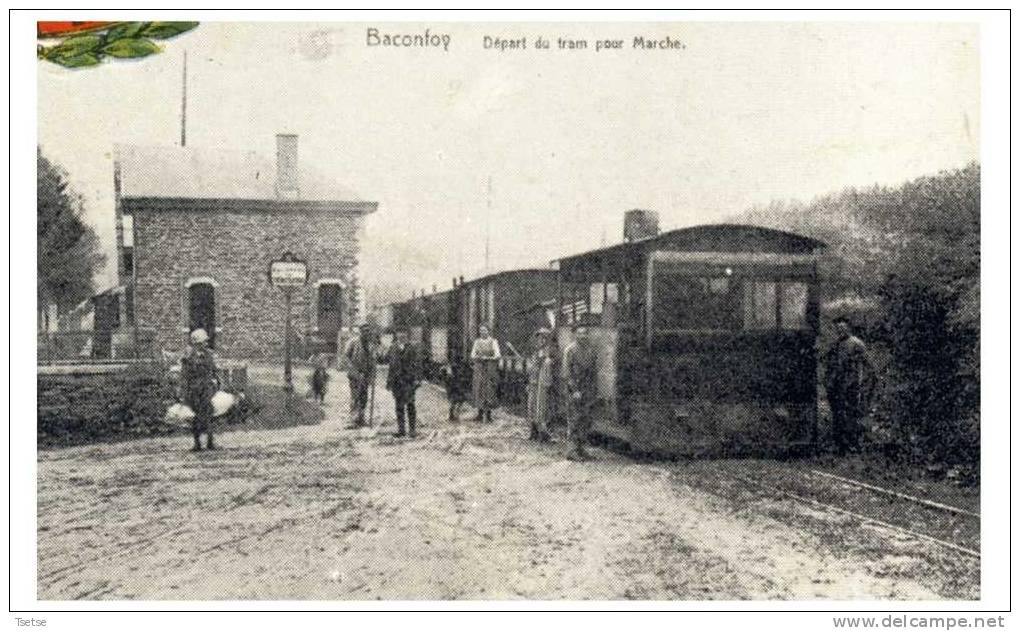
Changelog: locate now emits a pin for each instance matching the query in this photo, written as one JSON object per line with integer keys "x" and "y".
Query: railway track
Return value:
{"x": 946, "y": 526}
{"x": 866, "y": 519}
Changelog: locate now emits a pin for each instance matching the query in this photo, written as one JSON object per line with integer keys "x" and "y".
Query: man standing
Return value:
{"x": 198, "y": 385}
{"x": 360, "y": 359}
{"x": 849, "y": 384}
{"x": 582, "y": 389}
{"x": 540, "y": 366}
{"x": 485, "y": 356}
{"x": 402, "y": 381}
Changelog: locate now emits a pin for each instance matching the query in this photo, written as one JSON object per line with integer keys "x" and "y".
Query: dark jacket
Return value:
{"x": 198, "y": 379}
{"x": 359, "y": 360}
{"x": 849, "y": 374}
{"x": 405, "y": 369}
{"x": 320, "y": 377}
{"x": 582, "y": 371}
{"x": 458, "y": 380}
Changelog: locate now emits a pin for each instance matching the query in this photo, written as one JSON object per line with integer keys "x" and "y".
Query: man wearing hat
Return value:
{"x": 849, "y": 384}
{"x": 540, "y": 368}
{"x": 402, "y": 380}
{"x": 360, "y": 359}
{"x": 581, "y": 362}
{"x": 199, "y": 384}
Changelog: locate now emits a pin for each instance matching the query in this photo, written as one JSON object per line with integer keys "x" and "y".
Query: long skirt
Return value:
{"x": 485, "y": 379}
{"x": 538, "y": 406}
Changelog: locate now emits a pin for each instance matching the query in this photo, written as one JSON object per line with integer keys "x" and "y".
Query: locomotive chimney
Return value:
{"x": 640, "y": 224}
{"x": 287, "y": 166}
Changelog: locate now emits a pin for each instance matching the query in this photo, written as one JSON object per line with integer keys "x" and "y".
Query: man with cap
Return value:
{"x": 198, "y": 385}
{"x": 849, "y": 384}
{"x": 581, "y": 361}
{"x": 402, "y": 380}
{"x": 540, "y": 368}
{"x": 359, "y": 356}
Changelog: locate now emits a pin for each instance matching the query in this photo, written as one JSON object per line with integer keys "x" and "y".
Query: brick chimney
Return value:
{"x": 640, "y": 224}
{"x": 287, "y": 166}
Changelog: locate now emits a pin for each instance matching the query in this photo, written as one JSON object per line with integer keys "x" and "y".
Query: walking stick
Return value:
{"x": 371, "y": 396}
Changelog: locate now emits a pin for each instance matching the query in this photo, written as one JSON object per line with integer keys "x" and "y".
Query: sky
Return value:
{"x": 744, "y": 114}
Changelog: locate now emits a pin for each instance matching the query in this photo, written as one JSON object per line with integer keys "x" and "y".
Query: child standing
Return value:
{"x": 458, "y": 383}
{"x": 320, "y": 379}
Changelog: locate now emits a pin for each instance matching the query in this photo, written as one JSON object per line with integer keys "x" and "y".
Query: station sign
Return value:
{"x": 288, "y": 271}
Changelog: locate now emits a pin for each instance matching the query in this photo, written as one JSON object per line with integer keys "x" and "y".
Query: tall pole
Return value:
{"x": 184, "y": 101}
{"x": 488, "y": 216}
{"x": 288, "y": 382}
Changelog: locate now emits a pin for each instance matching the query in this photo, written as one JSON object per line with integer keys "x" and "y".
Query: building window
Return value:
{"x": 202, "y": 309}
{"x": 129, "y": 262}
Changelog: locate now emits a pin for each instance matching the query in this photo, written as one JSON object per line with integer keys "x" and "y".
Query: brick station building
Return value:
{"x": 196, "y": 233}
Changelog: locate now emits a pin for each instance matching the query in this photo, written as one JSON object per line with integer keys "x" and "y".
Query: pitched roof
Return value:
{"x": 201, "y": 173}
{"x": 712, "y": 237}
{"x": 705, "y": 238}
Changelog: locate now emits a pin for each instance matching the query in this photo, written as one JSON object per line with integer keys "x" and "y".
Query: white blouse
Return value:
{"x": 479, "y": 350}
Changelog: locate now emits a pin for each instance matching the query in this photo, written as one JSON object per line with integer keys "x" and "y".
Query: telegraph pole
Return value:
{"x": 488, "y": 220}
{"x": 288, "y": 380}
{"x": 184, "y": 101}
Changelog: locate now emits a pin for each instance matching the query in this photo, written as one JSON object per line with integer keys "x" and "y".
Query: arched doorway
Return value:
{"x": 330, "y": 314}
{"x": 202, "y": 309}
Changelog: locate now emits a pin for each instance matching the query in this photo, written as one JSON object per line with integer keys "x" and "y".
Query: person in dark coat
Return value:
{"x": 402, "y": 381}
{"x": 458, "y": 385}
{"x": 581, "y": 361}
{"x": 320, "y": 380}
{"x": 849, "y": 385}
{"x": 198, "y": 385}
{"x": 540, "y": 375}
{"x": 359, "y": 357}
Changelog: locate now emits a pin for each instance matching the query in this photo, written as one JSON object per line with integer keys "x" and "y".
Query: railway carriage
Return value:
{"x": 445, "y": 324}
{"x": 706, "y": 338}
{"x": 505, "y": 302}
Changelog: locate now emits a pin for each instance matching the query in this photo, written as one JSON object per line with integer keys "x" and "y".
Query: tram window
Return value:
{"x": 793, "y": 306}
{"x": 600, "y": 294}
{"x": 691, "y": 303}
{"x": 759, "y": 305}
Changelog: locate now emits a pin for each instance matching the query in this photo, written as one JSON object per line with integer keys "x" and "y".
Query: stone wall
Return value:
{"x": 234, "y": 248}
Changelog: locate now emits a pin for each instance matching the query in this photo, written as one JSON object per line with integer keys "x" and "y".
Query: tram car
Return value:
{"x": 445, "y": 324}
{"x": 706, "y": 339}
{"x": 427, "y": 320}
{"x": 502, "y": 301}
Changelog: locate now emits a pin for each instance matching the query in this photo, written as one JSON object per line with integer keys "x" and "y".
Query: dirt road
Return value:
{"x": 466, "y": 511}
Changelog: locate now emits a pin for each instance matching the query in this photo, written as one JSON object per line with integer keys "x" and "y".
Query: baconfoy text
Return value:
{"x": 424, "y": 39}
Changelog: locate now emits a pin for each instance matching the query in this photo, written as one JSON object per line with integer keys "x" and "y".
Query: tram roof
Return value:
{"x": 706, "y": 238}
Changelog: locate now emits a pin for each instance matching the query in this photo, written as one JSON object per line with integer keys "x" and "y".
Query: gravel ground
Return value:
{"x": 465, "y": 511}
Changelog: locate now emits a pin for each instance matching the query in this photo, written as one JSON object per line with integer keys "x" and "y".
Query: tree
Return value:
{"x": 69, "y": 253}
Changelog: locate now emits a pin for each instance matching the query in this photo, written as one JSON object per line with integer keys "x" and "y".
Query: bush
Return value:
{"x": 80, "y": 409}
{"x": 933, "y": 334}
{"x": 76, "y": 409}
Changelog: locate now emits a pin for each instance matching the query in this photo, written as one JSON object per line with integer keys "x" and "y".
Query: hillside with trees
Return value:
{"x": 904, "y": 263}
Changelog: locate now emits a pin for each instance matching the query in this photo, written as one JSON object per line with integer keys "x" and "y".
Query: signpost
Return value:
{"x": 287, "y": 273}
